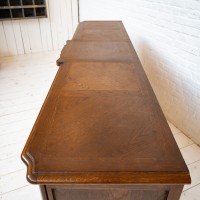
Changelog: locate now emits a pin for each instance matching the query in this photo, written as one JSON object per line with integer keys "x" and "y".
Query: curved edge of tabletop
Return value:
{"x": 28, "y": 159}
{"x": 103, "y": 177}
{"x": 29, "y": 176}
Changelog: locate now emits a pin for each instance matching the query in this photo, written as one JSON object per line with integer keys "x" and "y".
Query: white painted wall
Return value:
{"x": 166, "y": 35}
{"x": 36, "y": 35}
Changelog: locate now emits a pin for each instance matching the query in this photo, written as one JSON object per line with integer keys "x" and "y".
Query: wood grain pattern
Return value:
{"x": 101, "y": 123}
{"x": 114, "y": 192}
{"x": 60, "y": 194}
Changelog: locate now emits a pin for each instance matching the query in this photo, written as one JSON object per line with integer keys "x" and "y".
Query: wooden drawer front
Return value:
{"x": 106, "y": 194}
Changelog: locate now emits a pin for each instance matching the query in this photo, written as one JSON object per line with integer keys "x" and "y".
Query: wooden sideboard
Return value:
{"x": 101, "y": 133}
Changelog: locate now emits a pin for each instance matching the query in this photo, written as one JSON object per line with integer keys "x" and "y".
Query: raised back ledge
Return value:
{"x": 84, "y": 21}
{"x": 70, "y": 44}
{"x": 101, "y": 21}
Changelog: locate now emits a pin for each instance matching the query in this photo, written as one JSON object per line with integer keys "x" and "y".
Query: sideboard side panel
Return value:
{"x": 44, "y": 192}
{"x": 175, "y": 192}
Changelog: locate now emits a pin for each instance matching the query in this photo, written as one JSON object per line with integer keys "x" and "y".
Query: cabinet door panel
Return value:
{"x": 105, "y": 194}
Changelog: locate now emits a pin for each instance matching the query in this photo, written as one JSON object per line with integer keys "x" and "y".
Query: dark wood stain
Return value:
{"x": 102, "y": 124}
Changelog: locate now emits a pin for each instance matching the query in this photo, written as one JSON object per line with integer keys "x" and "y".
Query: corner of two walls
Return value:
{"x": 166, "y": 36}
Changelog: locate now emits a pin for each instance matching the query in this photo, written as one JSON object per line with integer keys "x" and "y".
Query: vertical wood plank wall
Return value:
{"x": 37, "y": 35}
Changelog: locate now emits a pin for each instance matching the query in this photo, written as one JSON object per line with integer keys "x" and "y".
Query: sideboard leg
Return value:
{"x": 43, "y": 192}
{"x": 175, "y": 192}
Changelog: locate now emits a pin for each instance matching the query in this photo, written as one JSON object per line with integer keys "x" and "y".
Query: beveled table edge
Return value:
{"x": 103, "y": 177}
{"x": 61, "y": 60}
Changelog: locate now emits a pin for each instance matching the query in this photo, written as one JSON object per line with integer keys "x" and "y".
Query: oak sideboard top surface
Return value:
{"x": 101, "y": 122}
